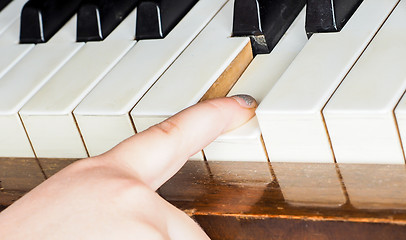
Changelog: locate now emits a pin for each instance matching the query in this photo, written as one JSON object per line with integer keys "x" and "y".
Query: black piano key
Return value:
{"x": 246, "y": 19}
{"x": 41, "y": 19}
{"x": 156, "y": 18}
{"x": 98, "y": 18}
{"x": 4, "y": 3}
{"x": 264, "y": 20}
{"x": 329, "y": 15}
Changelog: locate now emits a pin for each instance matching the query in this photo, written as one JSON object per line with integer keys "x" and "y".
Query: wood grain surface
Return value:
{"x": 253, "y": 200}
{"x": 231, "y": 74}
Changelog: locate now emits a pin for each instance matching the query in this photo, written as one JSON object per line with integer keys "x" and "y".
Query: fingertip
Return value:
{"x": 219, "y": 115}
{"x": 245, "y": 100}
{"x": 203, "y": 122}
{"x": 237, "y": 114}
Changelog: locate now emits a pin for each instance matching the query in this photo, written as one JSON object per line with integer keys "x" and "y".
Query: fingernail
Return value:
{"x": 245, "y": 100}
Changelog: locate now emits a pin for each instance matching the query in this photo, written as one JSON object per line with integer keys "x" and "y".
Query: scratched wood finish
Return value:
{"x": 262, "y": 228}
{"x": 51, "y": 166}
{"x": 234, "y": 200}
{"x": 244, "y": 200}
{"x": 18, "y": 176}
{"x": 231, "y": 74}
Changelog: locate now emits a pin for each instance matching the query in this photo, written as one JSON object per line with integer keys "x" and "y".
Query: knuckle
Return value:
{"x": 214, "y": 106}
{"x": 168, "y": 128}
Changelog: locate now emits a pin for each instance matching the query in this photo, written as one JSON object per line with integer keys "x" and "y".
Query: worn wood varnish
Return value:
{"x": 231, "y": 74}
{"x": 53, "y": 165}
{"x": 18, "y": 176}
{"x": 252, "y": 200}
{"x": 237, "y": 200}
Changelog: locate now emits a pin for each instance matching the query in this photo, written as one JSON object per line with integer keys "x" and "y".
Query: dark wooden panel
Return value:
{"x": 19, "y": 174}
{"x": 8, "y": 197}
{"x": 256, "y": 228}
{"x": 51, "y": 166}
{"x": 252, "y": 200}
{"x": 375, "y": 186}
{"x": 237, "y": 200}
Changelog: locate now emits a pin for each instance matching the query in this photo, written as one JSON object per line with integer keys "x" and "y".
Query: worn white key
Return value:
{"x": 48, "y": 116}
{"x": 245, "y": 143}
{"x": 193, "y": 73}
{"x": 400, "y": 111}
{"x": 128, "y": 81}
{"x": 11, "y": 53}
{"x": 359, "y": 116}
{"x": 290, "y": 115}
{"x": 24, "y": 80}
{"x": 10, "y": 14}
{"x": 10, "y": 49}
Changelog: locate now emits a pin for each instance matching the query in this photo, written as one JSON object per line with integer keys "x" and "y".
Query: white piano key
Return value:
{"x": 128, "y": 81}
{"x": 400, "y": 110}
{"x": 24, "y": 80}
{"x": 400, "y": 114}
{"x": 359, "y": 116}
{"x": 241, "y": 144}
{"x": 245, "y": 142}
{"x": 10, "y": 49}
{"x": 12, "y": 52}
{"x": 290, "y": 115}
{"x": 193, "y": 73}
{"x": 10, "y": 14}
{"x": 48, "y": 116}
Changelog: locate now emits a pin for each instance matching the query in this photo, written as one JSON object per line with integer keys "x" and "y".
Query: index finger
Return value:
{"x": 159, "y": 152}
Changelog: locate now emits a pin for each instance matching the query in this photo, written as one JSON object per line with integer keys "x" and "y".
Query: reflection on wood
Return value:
{"x": 309, "y": 184}
{"x": 259, "y": 200}
{"x": 255, "y": 173}
{"x": 252, "y": 228}
{"x": 237, "y": 200}
{"x": 228, "y": 188}
{"x": 191, "y": 187}
{"x": 375, "y": 186}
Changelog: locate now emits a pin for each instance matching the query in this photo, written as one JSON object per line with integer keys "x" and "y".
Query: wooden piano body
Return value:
{"x": 265, "y": 199}
{"x": 248, "y": 200}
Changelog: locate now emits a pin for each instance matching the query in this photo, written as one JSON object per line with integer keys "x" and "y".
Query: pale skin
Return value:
{"x": 112, "y": 196}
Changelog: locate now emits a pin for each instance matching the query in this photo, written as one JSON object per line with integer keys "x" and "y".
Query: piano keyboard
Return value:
{"x": 50, "y": 123}
{"x": 17, "y": 89}
{"x": 69, "y": 99}
{"x": 186, "y": 81}
{"x": 293, "y": 127}
{"x": 360, "y": 115}
{"x": 127, "y": 83}
{"x": 10, "y": 14}
{"x": 245, "y": 143}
